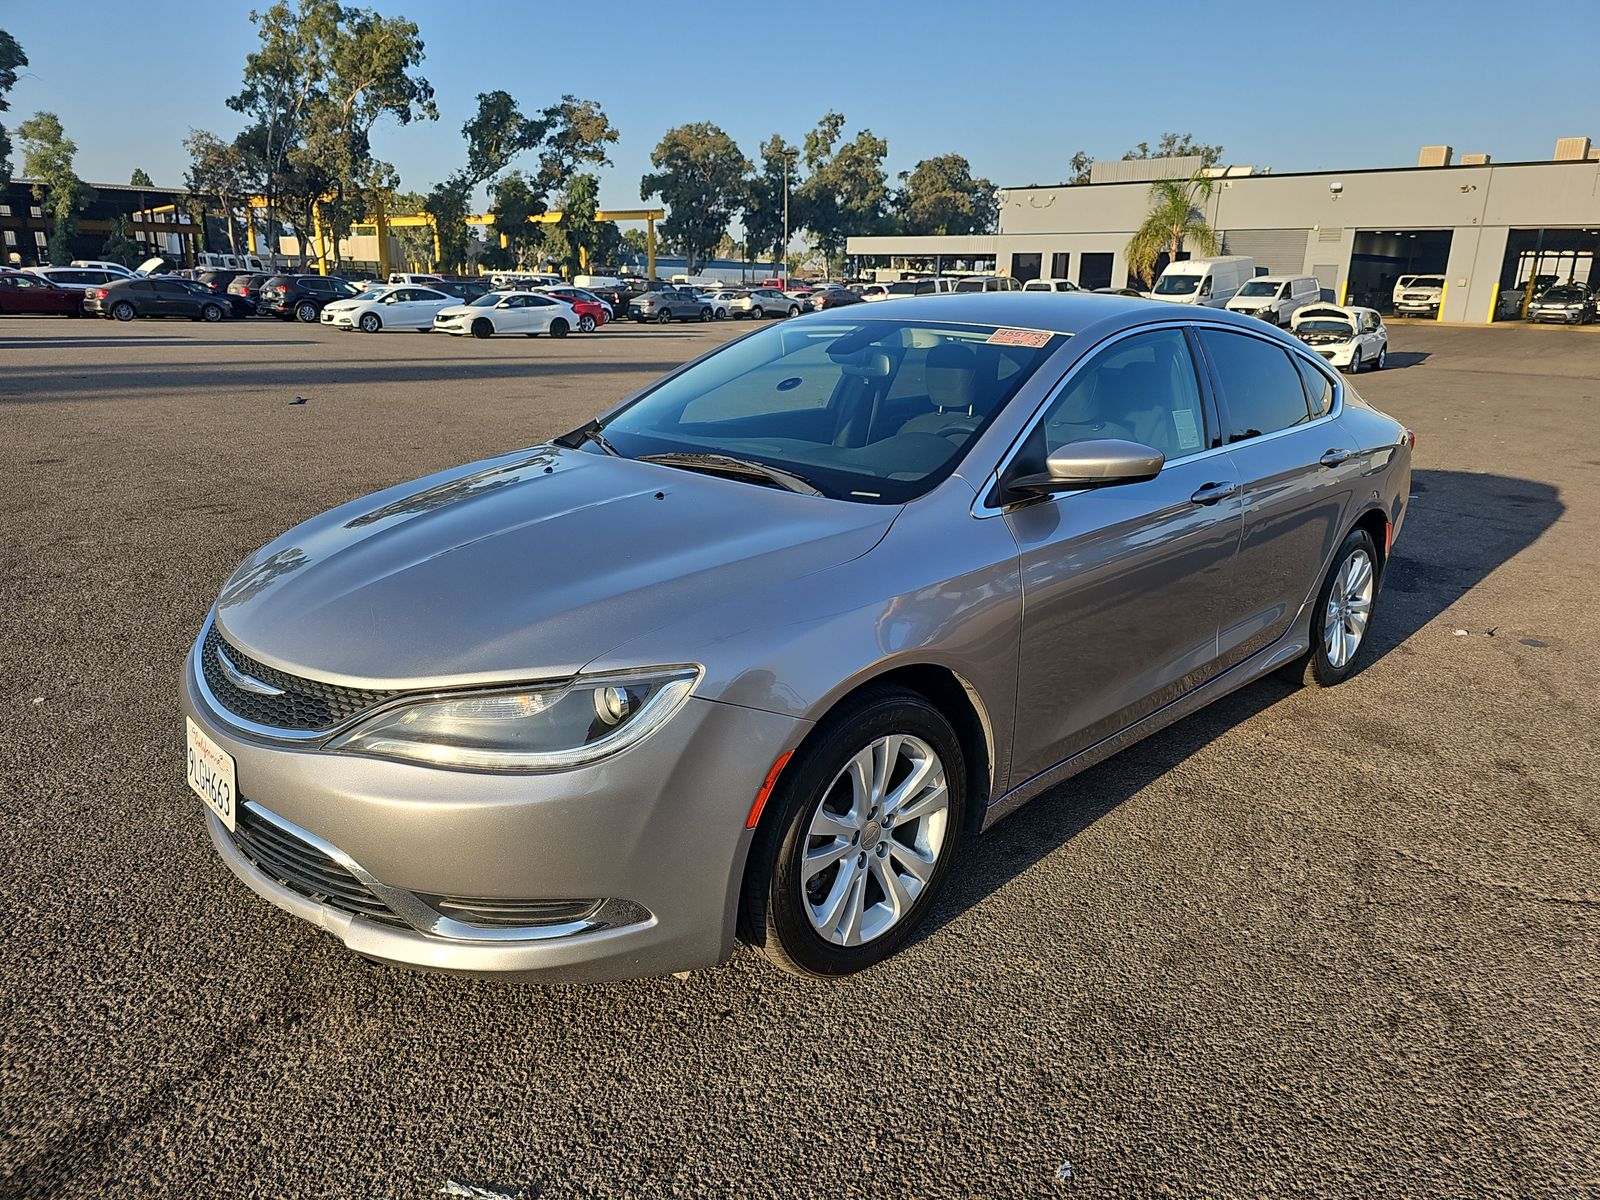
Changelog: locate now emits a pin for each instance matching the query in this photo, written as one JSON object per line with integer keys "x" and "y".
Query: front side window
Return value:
{"x": 1319, "y": 388}
{"x": 1260, "y": 385}
{"x": 874, "y": 411}
{"x": 1140, "y": 389}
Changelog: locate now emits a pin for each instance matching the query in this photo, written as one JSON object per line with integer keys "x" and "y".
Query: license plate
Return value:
{"x": 211, "y": 773}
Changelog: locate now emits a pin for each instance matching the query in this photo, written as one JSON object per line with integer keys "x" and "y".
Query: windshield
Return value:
{"x": 875, "y": 411}
{"x": 1326, "y": 325}
{"x": 488, "y": 300}
{"x": 1177, "y": 285}
{"x": 1426, "y": 281}
{"x": 1259, "y": 287}
{"x": 1563, "y": 295}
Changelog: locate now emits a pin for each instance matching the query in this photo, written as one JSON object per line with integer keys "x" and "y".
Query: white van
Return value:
{"x": 1208, "y": 281}
{"x": 1276, "y": 298}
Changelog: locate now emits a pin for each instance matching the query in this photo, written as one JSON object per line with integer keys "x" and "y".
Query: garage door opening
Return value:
{"x": 1380, "y": 257}
{"x": 1539, "y": 259}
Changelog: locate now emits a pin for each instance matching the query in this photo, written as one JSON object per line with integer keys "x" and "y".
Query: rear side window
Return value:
{"x": 1261, "y": 387}
{"x": 1319, "y": 388}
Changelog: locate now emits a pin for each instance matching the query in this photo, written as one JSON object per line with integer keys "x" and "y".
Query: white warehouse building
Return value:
{"x": 1487, "y": 228}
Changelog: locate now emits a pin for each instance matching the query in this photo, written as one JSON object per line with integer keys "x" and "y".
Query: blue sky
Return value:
{"x": 1016, "y": 87}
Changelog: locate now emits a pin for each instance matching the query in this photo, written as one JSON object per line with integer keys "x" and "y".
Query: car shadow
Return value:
{"x": 1459, "y": 528}
{"x": 42, "y": 343}
{"x": 1398, "y": 360}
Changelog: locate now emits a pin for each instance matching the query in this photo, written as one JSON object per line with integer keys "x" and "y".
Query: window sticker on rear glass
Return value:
{"x": 1019, "y": 337}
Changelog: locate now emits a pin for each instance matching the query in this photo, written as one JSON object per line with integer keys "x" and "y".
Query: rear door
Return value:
{"x": 1296, "y": 467}
{"x": 1123, "y": 587}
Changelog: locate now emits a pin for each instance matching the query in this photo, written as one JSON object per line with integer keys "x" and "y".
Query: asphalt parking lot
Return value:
{"x": 1337, "y": 944}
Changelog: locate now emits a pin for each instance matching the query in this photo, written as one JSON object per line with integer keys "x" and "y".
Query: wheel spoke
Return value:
{"x": 885, "y": 753}
{"x": 1359, "y": 604}
{"x": 813, "y": 862}
{"x": 850, "y": 931}
{"x": 931, "y": 801}
{"x": 894, "y": 891}
{"x": 1336, "y": 643}
{"x": 861, "y": 770}
{"x": 825, "y": 916}
{"x": 907, "y": 790}
{"x": 1360, "y": 573}
{"x": 918, "y": 867}
{"x": 1355, "y": 625}
{"x": 830, "y": 824}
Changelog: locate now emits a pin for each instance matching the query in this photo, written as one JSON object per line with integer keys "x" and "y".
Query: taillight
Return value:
{"x": 101, "y": 293}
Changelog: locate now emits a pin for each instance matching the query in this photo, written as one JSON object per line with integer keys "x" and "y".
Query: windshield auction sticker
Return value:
{"x": 1019, "y": 337}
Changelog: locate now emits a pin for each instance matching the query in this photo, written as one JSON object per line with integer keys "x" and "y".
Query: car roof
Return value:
{"x": 1056, "y": 312}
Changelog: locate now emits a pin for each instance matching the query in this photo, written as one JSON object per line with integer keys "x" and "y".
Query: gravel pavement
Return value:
{"x": 1337, "y": 944}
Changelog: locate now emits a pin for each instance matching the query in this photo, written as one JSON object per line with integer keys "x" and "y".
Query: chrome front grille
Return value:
{"x": 301, "y": 704}
{"x": 302, "y": 868}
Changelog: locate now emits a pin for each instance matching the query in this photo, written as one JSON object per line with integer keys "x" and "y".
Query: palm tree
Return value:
{"x": 1174, "y": 219}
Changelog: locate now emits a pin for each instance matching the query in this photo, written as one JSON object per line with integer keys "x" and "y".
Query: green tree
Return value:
{"x": 513, "y": 201}
{"x": 846, "y": 191}
{"x": 48, "y": 155}
{"x": 447, "y": 203}
{"x": 218, "y": 172}
{"x": 578, "y": 222}
{"x": 320, "y": 80}
{"x": 1078, "y": 167}
{"x": 940, "y": 196}
{"x": 140, "y": 178}
{"x": 497, "y": 133}
{"x": 763, "y": 213}
{"x": 1177, "y": 145}
{"x": 701, "y": 176}
{"x": 1174, "y": 221}
{"x": 119, "y": 247}
{"x": 11, "y": 59}
{"x": 577, "y": 134}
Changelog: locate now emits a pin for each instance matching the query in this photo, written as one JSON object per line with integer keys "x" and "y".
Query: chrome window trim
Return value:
{"x": 983, "y": 510}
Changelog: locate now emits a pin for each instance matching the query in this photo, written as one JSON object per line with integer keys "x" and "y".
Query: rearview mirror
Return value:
{"x": 1099, "y": 462}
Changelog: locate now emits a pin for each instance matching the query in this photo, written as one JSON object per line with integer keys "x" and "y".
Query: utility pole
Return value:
{"x": 784, "y": 275}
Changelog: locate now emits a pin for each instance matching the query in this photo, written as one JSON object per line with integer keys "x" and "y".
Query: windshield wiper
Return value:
{"x": 587, "y": 433}
{"x": 726, "y": 464}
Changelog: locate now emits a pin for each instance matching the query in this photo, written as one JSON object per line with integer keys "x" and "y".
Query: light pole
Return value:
{"x": 784, "y": 274}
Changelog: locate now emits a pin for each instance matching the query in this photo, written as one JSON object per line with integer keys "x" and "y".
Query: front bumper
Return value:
{"x": 657, "y": 832}
{"x": 1411, "y": 308}
{"x": 1564, "y": 316}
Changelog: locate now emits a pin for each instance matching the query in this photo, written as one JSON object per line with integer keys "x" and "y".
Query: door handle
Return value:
{"x": 1210, "y": 493}
{"x": 1334, "y": 458}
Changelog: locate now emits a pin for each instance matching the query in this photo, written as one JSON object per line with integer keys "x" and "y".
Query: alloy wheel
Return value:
{"x": 874, "y": 840}
{"x": 1349, "y": 609}
{"x": 370, "y": 323}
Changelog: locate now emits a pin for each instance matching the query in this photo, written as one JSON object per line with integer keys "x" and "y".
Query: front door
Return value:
{"x": 1123, "y": 587}
{"x": 1298, "y": 471}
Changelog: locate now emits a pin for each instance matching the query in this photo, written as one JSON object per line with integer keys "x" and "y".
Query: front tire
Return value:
{"x": 210, "y": 313}
{"x": 794, "y": 310}
{"x": 1342, "y": 614}
{"x": 481, "y": 328}
{"x": 370, "y": 322}
{"x": 858, "y": 838}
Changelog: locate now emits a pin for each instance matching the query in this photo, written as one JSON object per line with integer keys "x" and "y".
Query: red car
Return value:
{"x": 32, "y": 294}
{"x": 590, "y": 308}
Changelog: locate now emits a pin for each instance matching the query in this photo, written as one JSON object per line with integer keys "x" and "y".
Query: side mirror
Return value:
{"x": 1101, "y": 462}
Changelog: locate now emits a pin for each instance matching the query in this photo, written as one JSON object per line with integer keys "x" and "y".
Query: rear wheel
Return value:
{"x": 307, "y": 312}
{"x": 559, "y": 328}
{"x": 863, "y": 826}
{"x": 122, "y": 311}
{"x": 664, "y": 316}
{"x": 1382, "y": 360}
{"x": 586, "y": 324}
{"x": 481, "y": 328}
{"x": 370, "y": 322}
{"x": 1342, "y": 614}
{"x": 756, "y": 312}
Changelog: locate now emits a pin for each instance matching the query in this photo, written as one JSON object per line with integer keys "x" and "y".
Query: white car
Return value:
{"x": 101, "y": 265}
{"x": 1418, "y": 295}
{"x": 386, "y": 307}
{"x": 1276, "y": 298}
{"x": 720, "y": 300}
{"x": 527, "y": 313}
{"x": 1351, "y": 339}
{"x": 1050, "y": 285}
{"x": 763, "y": 302}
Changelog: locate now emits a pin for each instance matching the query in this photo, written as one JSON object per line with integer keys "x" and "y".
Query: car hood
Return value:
{"x": 1250, "y": 303}
{"x": 521, "y": 567}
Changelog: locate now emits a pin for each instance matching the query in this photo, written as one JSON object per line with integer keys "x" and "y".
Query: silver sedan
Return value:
{"x": 756, "y": 651}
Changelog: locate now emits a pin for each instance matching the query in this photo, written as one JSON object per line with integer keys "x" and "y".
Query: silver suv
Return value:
{"x": 764, "y": 302}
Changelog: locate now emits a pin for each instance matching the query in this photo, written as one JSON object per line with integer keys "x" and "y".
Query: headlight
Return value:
{"x": 549, "y": 728}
